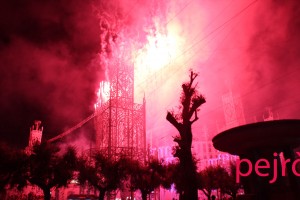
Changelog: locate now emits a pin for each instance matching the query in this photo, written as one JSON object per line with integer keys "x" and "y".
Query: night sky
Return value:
{"x": 50, "y": 68}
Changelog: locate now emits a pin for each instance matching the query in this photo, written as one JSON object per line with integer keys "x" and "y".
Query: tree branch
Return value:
{"x": 192, "y": 78}
{"x": 173, "y": 121}
{"x": 205, "y": 192}
{"x": 196, "y": 117}
{"x": 177, "y": 139}
{"x": 197, "y": 102}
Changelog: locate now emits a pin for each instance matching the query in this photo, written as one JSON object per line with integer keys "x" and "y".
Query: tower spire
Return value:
{"x": 35, "y": 135}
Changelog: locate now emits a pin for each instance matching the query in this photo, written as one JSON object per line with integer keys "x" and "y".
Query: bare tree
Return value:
{"x": 190, "y": 101}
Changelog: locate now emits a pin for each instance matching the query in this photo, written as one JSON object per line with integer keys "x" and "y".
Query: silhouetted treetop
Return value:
{"x": 190, "y": 101}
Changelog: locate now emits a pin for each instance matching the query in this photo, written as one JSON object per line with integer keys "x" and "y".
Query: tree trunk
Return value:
{"x": 144, "y": 195}
{"x": 188, "y": 167}
{"x": 132, "y": 194}
{"x": 209, "y": 196}
{"x": 233, "y": 196}
{"x": 101, "y": 194}
{"x": 191, "y": 191}
{"x": 47, "y": 195}
{"x": 190, "y": 102}
{"x": 180, "y": 196}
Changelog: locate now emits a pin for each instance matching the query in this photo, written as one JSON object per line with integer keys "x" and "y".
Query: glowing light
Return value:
{"x": 157, "y": 53}
{"x": 160, "y": 49}
{"x": 102, "y": 94}
{"x": 163, "y": 47}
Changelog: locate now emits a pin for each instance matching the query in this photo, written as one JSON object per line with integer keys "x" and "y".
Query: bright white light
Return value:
{"x": 102, "y": 94}
{"x": 162, "y": 49}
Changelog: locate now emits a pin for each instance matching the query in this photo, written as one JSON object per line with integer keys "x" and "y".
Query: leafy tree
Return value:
{"x": 103, "y": 172}
{"x": 12, "y": 168}
{"x": 170, "y": 176}
{"x": 230, "y": 186}
{"x": 173, "y": 176}
{"x": 146, "y": 178}
{"x": 48, "y": 167}
{"x": 211, "y": 178}
{"x": 190, "y": 101}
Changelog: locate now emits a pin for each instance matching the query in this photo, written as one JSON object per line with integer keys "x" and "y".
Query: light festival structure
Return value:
{"x": 119, "y": 122}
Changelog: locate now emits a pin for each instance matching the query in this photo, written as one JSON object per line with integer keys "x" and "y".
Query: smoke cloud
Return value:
{"x": 273, "y": 53}
{"x": 247, "y": 47}
{"x": 50, "y": 63}
{"x": 49, "y": 69}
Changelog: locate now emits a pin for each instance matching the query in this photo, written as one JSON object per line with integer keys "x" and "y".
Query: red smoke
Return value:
{"x": 51, "y": 68}
{"x": 248, "y": 47}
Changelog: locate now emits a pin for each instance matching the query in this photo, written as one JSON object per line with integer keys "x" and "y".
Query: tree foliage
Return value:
{"x": 230, "y": 186}
{"x": 103, "y": 172}
{"x": 12, "y": 168}
{"x": 171, "y": 176}
{"x": 48, "y": 167}
{"x": 146, "y": 178}
{"x": 211, "y": 178}
{"x": 217, "y": 177}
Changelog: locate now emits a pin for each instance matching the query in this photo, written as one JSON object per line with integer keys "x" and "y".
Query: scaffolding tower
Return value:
{"x": 119, "y": 122}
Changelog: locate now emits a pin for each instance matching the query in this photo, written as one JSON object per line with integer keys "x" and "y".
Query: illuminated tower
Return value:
{"x": 35, "y": 135}
{"x": 119, "y": 122}
{"x": 233, "y": 110}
